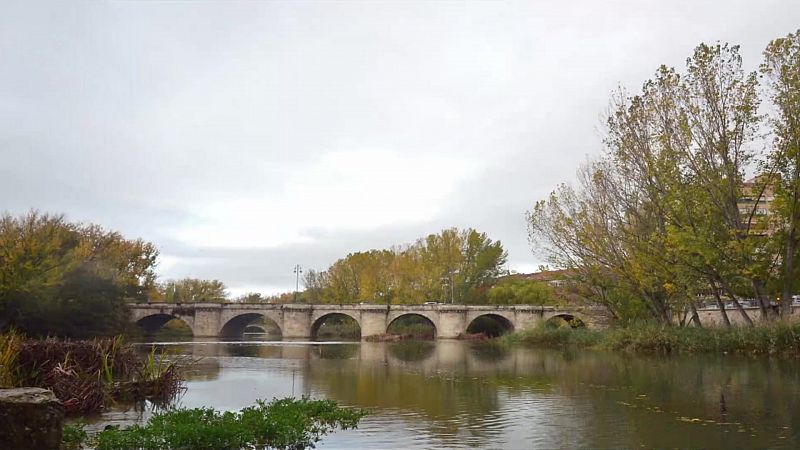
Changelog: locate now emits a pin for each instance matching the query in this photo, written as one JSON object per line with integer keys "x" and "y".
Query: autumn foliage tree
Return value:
{"x": 665, "y": 216}
{"x": 453, "y": 265}
{"x": 71, "y": 279}
{"x": 193, "y": 290}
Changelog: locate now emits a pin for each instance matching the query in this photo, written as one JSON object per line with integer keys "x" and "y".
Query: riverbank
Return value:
{"x": 772, "y": 339}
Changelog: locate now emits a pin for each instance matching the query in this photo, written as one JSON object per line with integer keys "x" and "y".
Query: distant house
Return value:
{"x": 755, "y": 205}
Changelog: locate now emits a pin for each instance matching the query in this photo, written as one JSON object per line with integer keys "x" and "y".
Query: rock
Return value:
{"x": 472, "y": 337}
{"x": 30, "y": 418}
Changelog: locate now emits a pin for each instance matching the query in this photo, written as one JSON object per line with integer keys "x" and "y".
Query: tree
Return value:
{"x": 658, "y": 215}
{"x": 461, "y": 262}
{"x": 781, "y": 68}
{"x": 251, "y": 297}
{"x": 69, "y": 279}
{"x": 519, "y": 291}
{"x": 193, "y": 290}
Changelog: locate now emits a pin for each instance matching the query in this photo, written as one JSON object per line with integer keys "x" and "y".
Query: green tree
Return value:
{"x": 781, "y": 68}
{"x": 658, "y": 214}
{"x": 519, "y": 291}
{"x": 250, "y": 297}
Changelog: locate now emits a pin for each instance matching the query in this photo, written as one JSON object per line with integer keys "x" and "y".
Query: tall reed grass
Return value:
{"x": 772, "y": 339}
{"x": 9, "y": 351}
{"x": 86, "y": 375}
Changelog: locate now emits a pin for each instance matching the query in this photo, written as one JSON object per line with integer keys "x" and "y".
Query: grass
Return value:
{"x": 86, "y": 375}
{"x": 554, "y": 337}
{"x": 283, "y": 424}
{"x": 773, "y": 339}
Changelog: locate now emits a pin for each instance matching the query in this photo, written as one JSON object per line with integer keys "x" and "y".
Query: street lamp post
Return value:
{"x": 453, "y": 273}
{"x": 297, "y": 271}
{"x": 445, "y": 282}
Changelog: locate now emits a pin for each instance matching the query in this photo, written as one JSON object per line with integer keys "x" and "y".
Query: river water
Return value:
{"x": 463, "y": 395}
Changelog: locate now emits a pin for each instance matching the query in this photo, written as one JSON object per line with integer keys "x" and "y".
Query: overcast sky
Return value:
{"x": 245, "y": 137}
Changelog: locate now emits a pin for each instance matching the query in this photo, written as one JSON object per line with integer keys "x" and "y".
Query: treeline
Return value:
{"x": 454, "y": 265}
{"x": 68, "y": 279}
{"x": 190, "y": 290}
{"x": 665, "y": 218}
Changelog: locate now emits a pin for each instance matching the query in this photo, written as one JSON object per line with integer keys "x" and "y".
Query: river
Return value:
{"x": 462, "y": 395}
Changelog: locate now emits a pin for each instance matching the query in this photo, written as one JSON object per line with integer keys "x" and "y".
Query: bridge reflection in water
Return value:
{"x": 455, "y": 394}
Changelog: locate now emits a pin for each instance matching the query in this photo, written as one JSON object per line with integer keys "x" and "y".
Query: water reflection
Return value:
{"x": 489, "y": 352}
{"x": 411, "y": 351}
{"x": 340, "y": 351}
{"x": 474, "y": 395}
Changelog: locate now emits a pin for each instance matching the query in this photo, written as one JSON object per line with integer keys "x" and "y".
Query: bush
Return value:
{"x": 547, "y": 336}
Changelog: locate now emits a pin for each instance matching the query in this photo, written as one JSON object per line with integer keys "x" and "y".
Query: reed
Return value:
{"x": 87, "y": 375}
{"x": 780, "y": 339}
{"x": 9, "y": 351}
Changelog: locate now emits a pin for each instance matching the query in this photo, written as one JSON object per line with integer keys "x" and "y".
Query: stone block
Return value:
{"x": 30, "y": 418}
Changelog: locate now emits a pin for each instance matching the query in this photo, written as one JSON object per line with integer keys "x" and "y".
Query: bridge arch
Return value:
{"x": 154, "y": 322}
{"x": 236, "y": 325}
{"x": 490, "y": 324}
{"x": 420, "y": 315}
{"x": 566, "y": 320}
{"x": 255, "y": 328}
{"x": 319, "y": 321}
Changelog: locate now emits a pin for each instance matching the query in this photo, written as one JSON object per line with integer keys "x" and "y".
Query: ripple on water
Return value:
{"x": 450, "y": 399}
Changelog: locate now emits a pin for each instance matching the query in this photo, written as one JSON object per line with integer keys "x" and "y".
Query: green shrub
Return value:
{"x": 74, "y": 436}
{"x": 282, "y": 423}
{"x": 546, "y": 336}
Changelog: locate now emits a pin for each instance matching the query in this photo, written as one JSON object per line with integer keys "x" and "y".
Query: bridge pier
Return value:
{"x": 207, "y": 320}
{"x": 296, "y": 321}
{"x": 452, "y": 321}
{"x": 373, "y": 320}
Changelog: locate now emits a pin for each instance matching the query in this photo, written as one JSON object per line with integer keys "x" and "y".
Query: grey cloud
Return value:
{"x": 135, "y": 114}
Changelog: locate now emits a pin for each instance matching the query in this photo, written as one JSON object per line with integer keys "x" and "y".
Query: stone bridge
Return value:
{"x": 303, "y": 320}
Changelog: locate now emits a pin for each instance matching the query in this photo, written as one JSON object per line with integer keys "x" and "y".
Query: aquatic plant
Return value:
{"x": 74, "y": 436}
{"x": 287, "y": 423}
